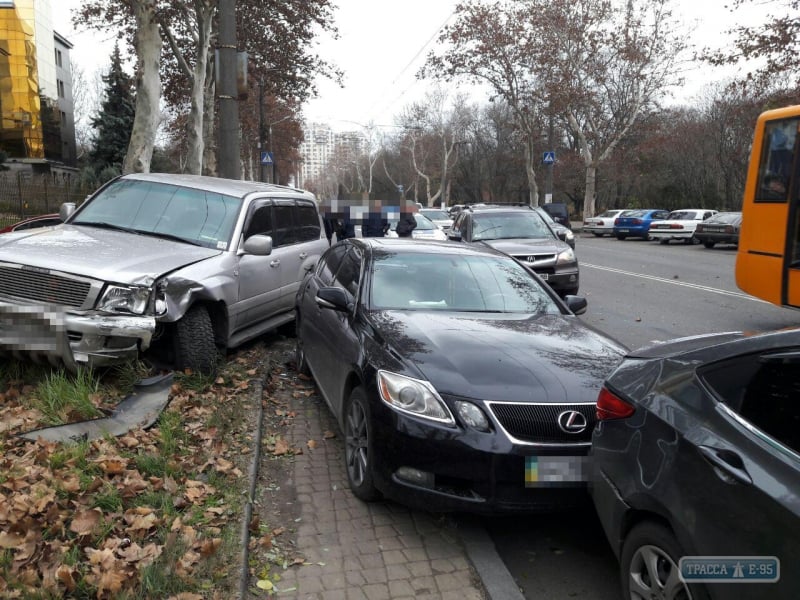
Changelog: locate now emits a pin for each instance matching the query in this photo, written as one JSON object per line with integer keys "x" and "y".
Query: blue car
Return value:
{"x": 636, "y": 223}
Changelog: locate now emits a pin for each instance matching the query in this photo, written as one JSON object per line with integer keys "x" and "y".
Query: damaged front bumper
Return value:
{"x": 73, "y": 339}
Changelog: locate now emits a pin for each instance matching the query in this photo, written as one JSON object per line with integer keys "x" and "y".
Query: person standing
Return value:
{"x": 376, "y": 224}
{"x": 407, "y": 223}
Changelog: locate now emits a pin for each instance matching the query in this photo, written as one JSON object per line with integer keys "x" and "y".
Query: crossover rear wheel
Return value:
{"x": 649, "y": 565}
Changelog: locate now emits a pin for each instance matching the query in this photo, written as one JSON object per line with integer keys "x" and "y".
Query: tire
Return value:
{"x": 300, "y": 362}
{"x": 621, "y": 236}
{"x": 663, "y": 242}
{"x": 358, "y": 453}
{"x": 194, "y": 342}
{"x": 649, "y": 564}
{"x": 709, "y": 244}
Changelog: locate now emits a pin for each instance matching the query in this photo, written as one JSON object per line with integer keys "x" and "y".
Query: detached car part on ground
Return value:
{"x": 175, "y": 264}
{"x": 696, "y": 453}
{"x": 459, "y": 379}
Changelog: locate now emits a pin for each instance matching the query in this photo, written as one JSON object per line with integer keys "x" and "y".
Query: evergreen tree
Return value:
{"x": 114, "y": 122}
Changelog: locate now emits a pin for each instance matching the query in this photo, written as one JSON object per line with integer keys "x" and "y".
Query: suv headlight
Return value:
{"x": 123, "y": 298}
{"x": 566, "y": 257}
{"x": 413, "y": 396}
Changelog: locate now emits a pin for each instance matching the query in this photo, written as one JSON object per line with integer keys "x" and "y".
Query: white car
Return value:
{"x": 679, "y": 225}
{"x": 425, "y": 229}
{"x": 441, "y": 217}
{"x": 602, "y": 224}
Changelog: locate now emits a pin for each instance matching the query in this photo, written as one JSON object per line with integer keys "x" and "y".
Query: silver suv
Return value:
{"x": 183, "y": 265}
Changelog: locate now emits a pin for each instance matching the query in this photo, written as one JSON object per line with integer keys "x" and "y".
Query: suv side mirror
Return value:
{"x": 66, "y": 210}
{"x": 454, "y": 235}
{"x": 259, "y": 245}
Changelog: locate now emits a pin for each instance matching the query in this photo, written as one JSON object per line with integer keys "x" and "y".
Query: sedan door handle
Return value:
{"x": 274, "y": 263}
{"x": 303, "y": 255}
{"x": 727, "y": 464}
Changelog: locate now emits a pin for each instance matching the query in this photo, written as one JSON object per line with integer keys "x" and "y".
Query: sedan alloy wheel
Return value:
{"x": 358, "y": 446}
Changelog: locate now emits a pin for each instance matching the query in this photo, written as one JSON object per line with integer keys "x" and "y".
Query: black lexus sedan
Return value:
{"x": 460, "y": 380}
{"x": 696, "y": 467}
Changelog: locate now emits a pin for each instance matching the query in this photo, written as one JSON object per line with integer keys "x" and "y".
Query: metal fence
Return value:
{"x": 24, "y": 195}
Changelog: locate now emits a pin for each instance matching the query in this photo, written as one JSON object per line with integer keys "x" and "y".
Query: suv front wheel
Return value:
{"x": 193, "y": 341}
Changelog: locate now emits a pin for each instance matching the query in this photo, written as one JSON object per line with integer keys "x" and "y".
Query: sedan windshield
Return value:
{"x": 436, "y": 214}
{"x": 162, "y": 210}
{"x": 449, "y": 282}
{"x": 509, "y": 226}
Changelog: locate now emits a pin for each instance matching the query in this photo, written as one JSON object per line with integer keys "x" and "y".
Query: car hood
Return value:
{"x": 518, "y": 246}
{"x": 99, "y": 253}
{"x": 502, "y": 356}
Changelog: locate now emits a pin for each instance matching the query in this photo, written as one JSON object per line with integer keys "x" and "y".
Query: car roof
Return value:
{"x": 230, "y": 187}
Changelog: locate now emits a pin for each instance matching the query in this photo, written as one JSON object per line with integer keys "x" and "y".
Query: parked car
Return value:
{"x": 441, "y": 217}
{"x": 636, "y": 223}
{"x": 189, "y": 264}
{"x": 425, "y": 229}
{"x": 519, "y": 231}
{"x": 563, "y": 233}
{"x": 722, "y": 228}
{"x": 460, "y": 380}
{"x": 679, "y": 225}
{"x": 33, "y": 222}
{"x": 559, "y": 211}
{"x": 603, "y": 223}
{"x": 697, "y": 453}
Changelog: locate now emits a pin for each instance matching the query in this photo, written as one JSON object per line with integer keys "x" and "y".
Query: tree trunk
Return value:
{"x": 147, "y": 42}
{"x": 531, "y": 172}
{"x": 209, "y": 145}
{"x": 590, "y": 194}
{"x": 194, "y": 162}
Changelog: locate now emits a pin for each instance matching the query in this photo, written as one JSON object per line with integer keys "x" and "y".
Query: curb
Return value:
{"x": 244, "y": 574}
{"x": 493, "y": 573}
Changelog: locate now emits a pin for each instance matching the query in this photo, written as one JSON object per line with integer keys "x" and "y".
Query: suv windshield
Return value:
{"x": 508, "y": 226}
{"x": 196, "y": 216}
{"x": 436, "y": 214}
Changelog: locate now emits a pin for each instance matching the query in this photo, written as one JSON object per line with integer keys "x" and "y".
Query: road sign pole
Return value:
{"x": 548, "y": 182}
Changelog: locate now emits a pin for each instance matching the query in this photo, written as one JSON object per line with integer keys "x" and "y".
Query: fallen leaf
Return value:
{"x": 311, "y": 444}
{"x": 328, "y": 434}
{"x": 264, "y": 584}
{"x": 281, "y": 447}
{"x": 85, "y": 521}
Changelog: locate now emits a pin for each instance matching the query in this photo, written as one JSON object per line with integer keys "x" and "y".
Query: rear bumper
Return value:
{"x": 73, "y": 339}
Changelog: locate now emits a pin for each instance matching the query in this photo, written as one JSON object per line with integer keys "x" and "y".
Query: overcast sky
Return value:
{"x": 382, "y": 45}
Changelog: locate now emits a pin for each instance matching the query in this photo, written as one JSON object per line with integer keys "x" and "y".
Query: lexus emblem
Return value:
{"x": 571, "y": 421}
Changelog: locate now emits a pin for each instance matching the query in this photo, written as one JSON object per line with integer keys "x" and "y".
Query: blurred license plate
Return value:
{"x": 552, "y": 471}
{"x": 709, "y": 228}
{"x": 623, "y": 230}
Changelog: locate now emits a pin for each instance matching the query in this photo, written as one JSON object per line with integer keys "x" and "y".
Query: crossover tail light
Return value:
{"x": 610, "y": 406}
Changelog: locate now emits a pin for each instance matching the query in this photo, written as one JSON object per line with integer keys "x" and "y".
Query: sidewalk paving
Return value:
{"x": 354, "y": 550}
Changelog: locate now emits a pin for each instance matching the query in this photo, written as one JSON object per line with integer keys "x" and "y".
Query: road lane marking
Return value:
{"x": 695, "y": 286}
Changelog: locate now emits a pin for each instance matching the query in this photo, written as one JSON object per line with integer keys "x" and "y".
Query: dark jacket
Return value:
{"x": 374, "y": 225}
{"x": 406, "y": 225}
{"x": 345, "y": 229}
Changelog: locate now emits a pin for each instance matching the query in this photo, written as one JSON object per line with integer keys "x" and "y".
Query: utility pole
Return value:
{"x": 228, "y": 149}
{"x": 548, "y": 182}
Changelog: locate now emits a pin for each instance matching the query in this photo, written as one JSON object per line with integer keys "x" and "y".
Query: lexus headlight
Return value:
{"x": 413, "y": 396}
{"x": 566, "y": 257}
{"x": 122, "y": 298}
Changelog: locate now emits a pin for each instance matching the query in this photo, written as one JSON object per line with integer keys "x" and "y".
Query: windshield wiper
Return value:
{"x": 106, "y": 225}
{"x": 169, "y": 236}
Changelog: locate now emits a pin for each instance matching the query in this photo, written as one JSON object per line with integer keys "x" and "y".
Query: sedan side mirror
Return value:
{"x": 577, "y": 304}
{"x": 334, "y": 298}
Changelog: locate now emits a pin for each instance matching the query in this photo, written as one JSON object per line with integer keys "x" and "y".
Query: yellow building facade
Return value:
{"x": 31, "y": 117}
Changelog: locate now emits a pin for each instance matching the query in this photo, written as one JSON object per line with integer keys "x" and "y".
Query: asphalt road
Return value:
{"x": 639, "y": 292}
